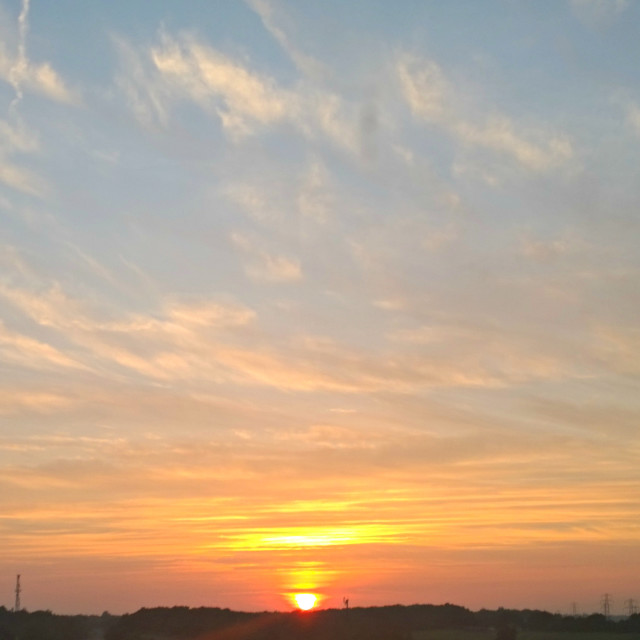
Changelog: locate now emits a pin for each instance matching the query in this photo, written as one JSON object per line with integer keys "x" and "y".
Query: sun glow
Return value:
{"x": 305, "y": 601}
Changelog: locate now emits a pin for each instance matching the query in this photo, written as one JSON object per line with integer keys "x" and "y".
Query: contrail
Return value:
{"x": 19, "y": 69}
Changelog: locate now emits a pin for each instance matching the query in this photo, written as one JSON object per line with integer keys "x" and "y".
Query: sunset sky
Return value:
{"x": 322, "y": 296}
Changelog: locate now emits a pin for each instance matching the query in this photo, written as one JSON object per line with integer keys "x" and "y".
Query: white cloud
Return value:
{"x": 405, "y": 154}
{"x": 314, "y": 199}
{"x": 272, "y": 19}
{"x": 275, "y": 268}
{"x": 436, "y": 239}
{"x": 208, "y": 314}
{"x": 23, "y": 74}
{"x": 265, "y": 266}
{"x": 426, "y": 90}
{"x": 178, "y": 69}
{"x": 499, "y": 134}
{"x": 143, "y": 89}
{"x": 209, "y": 342}
{"x": 433, "y": 98}
{"x": 20, "y": 178}
{"x": 217, "y": 83}
{"x": 28, "y": 352}
{"x": 49, "y": 308}
{"x": 17, "y": 400}
{"x": 329, "y": 111}
{"x": 15, "y": 140}
{"x": 43, "y": 79}
{"x": 181, "y": 343}
{"x": 544, "y": 250}
{"x": 183, "y": 69}
{"x": 390, "y": 304}
{"x": 266, "y": 206}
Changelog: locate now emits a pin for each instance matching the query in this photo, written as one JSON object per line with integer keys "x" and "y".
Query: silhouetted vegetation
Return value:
{"x": 176, "y": 622}
{"x": 44, "y": 625}
{"x": 415, "y": 622}
{"x": 358, "y": 623}
{"x": 506, "y": 632}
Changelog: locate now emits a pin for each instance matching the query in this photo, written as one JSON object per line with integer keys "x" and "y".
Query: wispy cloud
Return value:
{"x": 20, "y": 178}
{"x": 141, "y": 87}
{"x": 238, "y": 96}
{"x": 23, "y": 74}
{"x": 41, "y": 79}
{"x": 180, "y": 68}
{"x": 544, "y": 250}
{"x": 198, "y": 342}
{"x": 184, "y": 69}
{"x": 272, "y": 18}
{"x": 31, "y": 353}
{"x": 16, "y": 401}
{"x": 264, "y": 266}
{"x": 433, "y": 98}
{"x": 18, "y": 69}
{"x": 17, "y": 140}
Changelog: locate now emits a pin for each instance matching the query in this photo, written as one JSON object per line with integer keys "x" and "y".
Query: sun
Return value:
{"x": 305, "y": 601}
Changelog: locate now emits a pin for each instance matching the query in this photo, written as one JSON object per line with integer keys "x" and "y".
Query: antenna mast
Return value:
{"x": 16, "y": 606}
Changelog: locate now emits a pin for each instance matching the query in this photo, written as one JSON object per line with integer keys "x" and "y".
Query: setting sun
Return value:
{"x": 305, "y": 601}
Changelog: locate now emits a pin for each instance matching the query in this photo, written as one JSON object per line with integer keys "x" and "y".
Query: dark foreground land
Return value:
{"x": 415, "y": 622}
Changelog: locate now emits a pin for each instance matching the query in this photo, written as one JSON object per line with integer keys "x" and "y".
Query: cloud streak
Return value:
{"x": 245, "y": 102}
{"x": 23, "y": 74}
{"x": 432, "y": 98}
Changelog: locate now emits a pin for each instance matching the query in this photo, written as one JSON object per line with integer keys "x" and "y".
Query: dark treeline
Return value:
{"x": 44, "y": 625}
{"x": 372, "y": 623}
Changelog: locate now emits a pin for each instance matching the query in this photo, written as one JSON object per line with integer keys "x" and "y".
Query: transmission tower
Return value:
{"x": 16, "y": 606}
{"x": 606, "y": 605}
{"x": 631, "y": 606}
{"x": 574, "y": 609}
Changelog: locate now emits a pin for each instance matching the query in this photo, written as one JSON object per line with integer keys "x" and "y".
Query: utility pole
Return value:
{"x": 606, "y": 605}
{"x": 345, "y": 602}
{"x": 16, "y": 606}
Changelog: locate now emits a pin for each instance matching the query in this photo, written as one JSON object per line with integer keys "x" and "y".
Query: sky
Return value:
{"x": 330, "y": 297}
